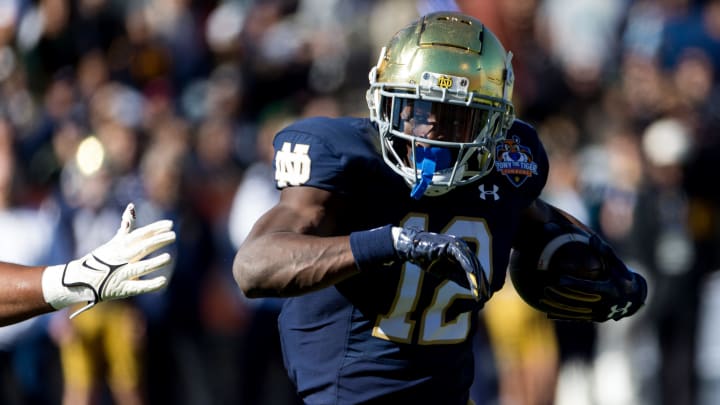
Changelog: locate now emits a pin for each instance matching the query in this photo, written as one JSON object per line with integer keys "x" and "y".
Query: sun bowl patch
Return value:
{"x": 514, "y": 161}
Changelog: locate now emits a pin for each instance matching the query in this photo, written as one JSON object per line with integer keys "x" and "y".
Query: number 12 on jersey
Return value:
{"x": 398, "y": 324}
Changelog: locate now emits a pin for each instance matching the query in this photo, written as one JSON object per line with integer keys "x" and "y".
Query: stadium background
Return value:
{"x": 170, "y": 103}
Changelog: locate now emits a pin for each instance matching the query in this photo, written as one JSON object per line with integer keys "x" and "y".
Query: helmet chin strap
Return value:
{"x": 429, "y": 160}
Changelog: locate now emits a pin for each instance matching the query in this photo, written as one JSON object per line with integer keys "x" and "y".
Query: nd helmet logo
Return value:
{"x": 445, "y": 82}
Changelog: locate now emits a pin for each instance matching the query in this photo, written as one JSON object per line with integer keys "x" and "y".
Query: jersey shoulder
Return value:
{"x": 334, "y": 132}
{"x": 522, "y": 160}
{"x": 324, "y": 152}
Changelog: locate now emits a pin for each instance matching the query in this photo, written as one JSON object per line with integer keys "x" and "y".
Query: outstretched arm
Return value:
{"x": 112, "y": 271}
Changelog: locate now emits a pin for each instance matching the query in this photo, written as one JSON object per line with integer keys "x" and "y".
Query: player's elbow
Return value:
{"x": 246, "y": 278}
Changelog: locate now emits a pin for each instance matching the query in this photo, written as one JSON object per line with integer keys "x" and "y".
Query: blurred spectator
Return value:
{"x": 176, "y": 332}
{"x": 665, "y": 249}
{"x": 694, "y": 26}
{"x": 526, "y": 350}
{"x": 215, "y": 171}
{"x": 60, "y": 105}
{"x": 100, "y": 350}
{"x": 581, "y": 36}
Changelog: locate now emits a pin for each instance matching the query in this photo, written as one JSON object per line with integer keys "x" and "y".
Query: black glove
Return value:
{"x": 618, "y": 294}
{"x": 444, "y": 256}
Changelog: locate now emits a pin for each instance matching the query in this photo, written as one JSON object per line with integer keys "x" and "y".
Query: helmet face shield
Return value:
{"x": 441, "y": 97}
{"x": 436, "y": 121}
{"x": 454, "y": 140}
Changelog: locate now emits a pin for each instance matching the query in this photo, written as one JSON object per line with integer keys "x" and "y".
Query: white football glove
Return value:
{"x": 113, "y": 270}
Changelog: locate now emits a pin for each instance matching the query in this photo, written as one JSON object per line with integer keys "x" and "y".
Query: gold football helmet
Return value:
{"x": 441, "y": 95}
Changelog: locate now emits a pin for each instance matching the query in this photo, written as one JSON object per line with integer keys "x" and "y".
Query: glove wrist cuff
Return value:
{"x": 372, "y": 248}
{"x": 56, "y": 293}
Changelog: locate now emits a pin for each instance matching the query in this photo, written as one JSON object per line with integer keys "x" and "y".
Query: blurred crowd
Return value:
{"x": 172, "y": 104}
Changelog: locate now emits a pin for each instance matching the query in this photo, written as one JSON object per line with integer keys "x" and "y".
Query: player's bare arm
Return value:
{"x": 288, "y": 253}
{"x": 21, "y": 293}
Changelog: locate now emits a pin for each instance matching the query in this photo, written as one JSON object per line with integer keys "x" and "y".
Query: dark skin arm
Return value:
{"x": 288, "y": 251}
{"x": 21, "y": 295}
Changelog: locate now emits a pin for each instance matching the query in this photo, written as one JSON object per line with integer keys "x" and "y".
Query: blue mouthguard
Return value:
{"x": 429, "y": 159}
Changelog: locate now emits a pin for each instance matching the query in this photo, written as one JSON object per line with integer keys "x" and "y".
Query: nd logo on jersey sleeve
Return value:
{"x": 515, "y": 161}
{"x": 292, "y": 165}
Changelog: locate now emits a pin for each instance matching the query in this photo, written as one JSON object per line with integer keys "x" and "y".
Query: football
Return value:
{"x": 534, "y": 268}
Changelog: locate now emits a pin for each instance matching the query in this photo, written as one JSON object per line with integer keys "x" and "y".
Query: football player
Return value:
{"x": 384, "y": 280}
{"x": 112, "y": 271}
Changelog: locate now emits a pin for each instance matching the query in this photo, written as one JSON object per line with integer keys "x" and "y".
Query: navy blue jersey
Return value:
{"x": 396, "y": 334}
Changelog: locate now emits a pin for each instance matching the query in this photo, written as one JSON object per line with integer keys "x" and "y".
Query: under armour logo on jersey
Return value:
{"x": 614, "y": 310}
{"x": 485, "y": 193}
{"x": 292, "y": 165}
